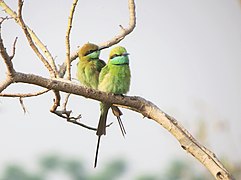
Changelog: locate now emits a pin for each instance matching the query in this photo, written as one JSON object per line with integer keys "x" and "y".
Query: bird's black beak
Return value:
{"x": 125, "y": 54}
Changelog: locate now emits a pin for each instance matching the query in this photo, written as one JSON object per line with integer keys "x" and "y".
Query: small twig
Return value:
{"x": 22, "y": 105}
{"x": 31, "y": 43}
{"x": 68, "y": 61}
{"x": 52, "y": 72}
{"x": 66, "y": 115}
{"x": 66, "y": 101}
{"x": 2, "y": 19}
{"x": 24, "y": 95}
{"x": 4, "y": 54}
{"x": 56, "y": 101}
{"x": 14, "y": 48}
{"x": 124, "y": 31}
{"x": 36, "y": 40}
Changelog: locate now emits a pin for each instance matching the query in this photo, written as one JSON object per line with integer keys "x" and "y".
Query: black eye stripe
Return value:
{"x": 89, "y": 52}
{"x": 115, "y": 55}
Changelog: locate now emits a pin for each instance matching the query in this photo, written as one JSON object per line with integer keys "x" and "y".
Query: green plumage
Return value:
{"x": 113, "y": 78}
{"x": 89, "y": 65}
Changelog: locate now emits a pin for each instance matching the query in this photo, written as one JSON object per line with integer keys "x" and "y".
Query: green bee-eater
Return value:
{"x": 88, "y": 69}
{"x": 89, "y": 65}
{"x": 114, "y": 78}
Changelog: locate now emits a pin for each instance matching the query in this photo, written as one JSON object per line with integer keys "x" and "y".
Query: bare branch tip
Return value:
{"x": 22, "y": 105}
{"x": 13, "y": 49}
{"x": 2, "y": 19}
{"x": 122, "y": 29}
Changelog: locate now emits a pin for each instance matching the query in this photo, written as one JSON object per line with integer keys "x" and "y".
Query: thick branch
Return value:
{"x": 146, "y": 108}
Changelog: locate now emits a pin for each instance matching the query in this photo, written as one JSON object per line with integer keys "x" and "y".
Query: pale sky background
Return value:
{"x": 185, "y": 57}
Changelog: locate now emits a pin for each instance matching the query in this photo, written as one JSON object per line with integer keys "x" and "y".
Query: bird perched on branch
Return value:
{"x": 114, "y": 78}
{"x": 88, "y": 70}
{"x": 89, "y": 65}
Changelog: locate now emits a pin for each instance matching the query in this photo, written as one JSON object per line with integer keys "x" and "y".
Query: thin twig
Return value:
{"x": 66, "y": 115}
{"x": 124, "y": 31}
{"x": 56, "y": 101}
{"x": 52, "y": 72}
{"x": 14, "y": 48}
{"x": 66, "y": 101}
{"x": 31, "y": 43}
{"x": 24, "y": 95}
{"x": 34, "y": 37}
{"x": 10, "y": 70}
{"x": 22, "y": 105}
{"x": 68, "y": 61}
{"x": 70, "y": 19}
{"x": 4, "y": 54}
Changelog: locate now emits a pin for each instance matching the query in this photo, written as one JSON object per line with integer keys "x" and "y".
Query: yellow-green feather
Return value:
{"x": 89, "y": 67}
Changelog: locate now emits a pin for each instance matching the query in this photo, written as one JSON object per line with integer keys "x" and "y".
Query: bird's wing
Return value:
{"x": 103, "y": 72}
{"x": 100, "y": 65}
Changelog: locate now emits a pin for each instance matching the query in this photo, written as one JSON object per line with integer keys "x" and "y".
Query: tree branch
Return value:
{"x": 124, "y": 31}
{"x": 5, "y": 83}
{"x": 14, "y": 48}
{"x": 53, "y": 73}
{"x": 6, "y": 58}
{"x": 24, "y": 95}
{"x": 115, "y": 40}
{"x": 31, "y": 43}
{"x": 68, "y": 61}
{"x": 22, "y": 105}
{"x": 138, "y": 104}
{"x": 34, "y": 37}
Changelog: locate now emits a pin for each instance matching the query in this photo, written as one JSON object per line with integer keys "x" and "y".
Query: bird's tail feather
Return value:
{"x": 101, "y": 129}
{"x": 97, "y": 151}
{"x": 117, "y": 112}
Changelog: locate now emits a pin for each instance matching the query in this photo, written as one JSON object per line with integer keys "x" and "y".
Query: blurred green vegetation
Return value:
{"x": 56, "y": 167}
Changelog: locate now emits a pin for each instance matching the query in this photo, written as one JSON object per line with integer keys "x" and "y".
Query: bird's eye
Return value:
{"x": 114, "y": 55}
{"x": 89, "y": 52}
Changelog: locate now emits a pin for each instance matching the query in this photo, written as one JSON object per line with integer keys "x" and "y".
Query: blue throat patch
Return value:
{"x": 120, "y": 60}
